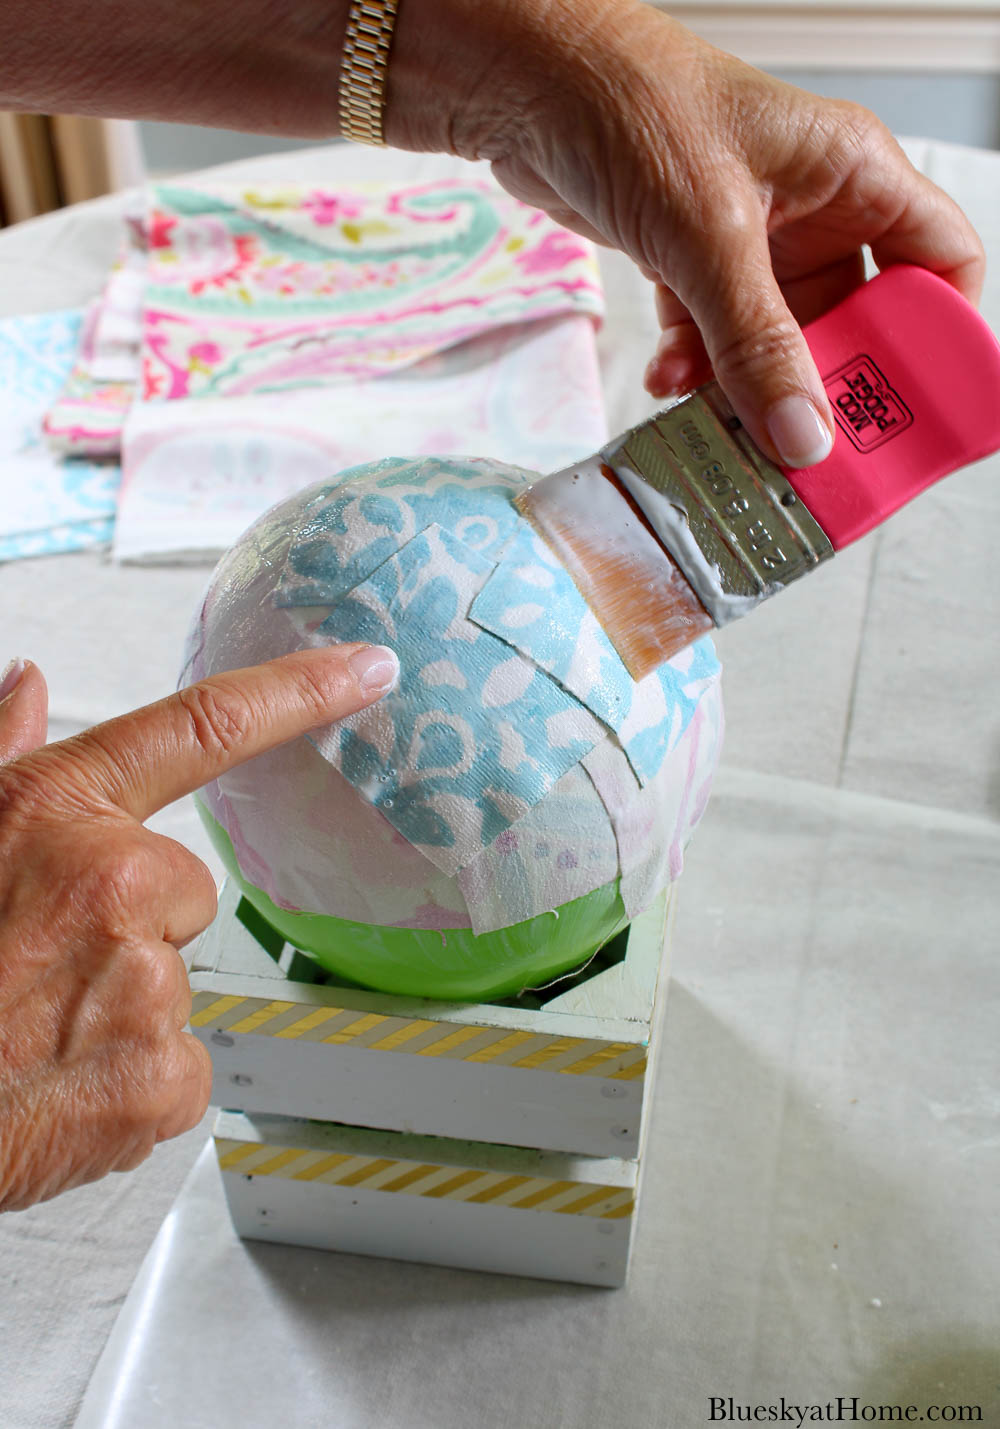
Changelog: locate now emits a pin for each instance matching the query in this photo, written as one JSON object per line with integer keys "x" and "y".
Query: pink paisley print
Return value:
{"x": 326, "y": 208}
{"x": 235, "y": 292}
{"x": 159, "y": 228}
{"x": 312, "y": 287}
{"x": 556, "y": 251}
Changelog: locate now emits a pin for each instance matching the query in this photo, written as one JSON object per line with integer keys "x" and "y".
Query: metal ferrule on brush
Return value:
{"x": 682, "y": 524}
{"x": 677, "y": 526}
{"x": 729, "y": 517}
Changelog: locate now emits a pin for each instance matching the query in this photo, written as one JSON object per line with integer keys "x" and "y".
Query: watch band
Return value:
{"x": 363, "y": 69}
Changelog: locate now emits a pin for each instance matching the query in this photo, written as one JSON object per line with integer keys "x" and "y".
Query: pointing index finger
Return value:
{"x": 146, "y": 759}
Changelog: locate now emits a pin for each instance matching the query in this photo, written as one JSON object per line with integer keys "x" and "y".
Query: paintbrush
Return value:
{"x": 683, "y": 524}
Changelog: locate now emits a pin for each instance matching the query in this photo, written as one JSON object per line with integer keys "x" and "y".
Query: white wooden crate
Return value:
{"x": 568, "y": 1076}
{"x": 427, "y": 1198}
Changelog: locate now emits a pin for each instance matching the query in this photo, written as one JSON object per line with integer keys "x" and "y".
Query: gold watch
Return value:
{"x": 363, "y": 69}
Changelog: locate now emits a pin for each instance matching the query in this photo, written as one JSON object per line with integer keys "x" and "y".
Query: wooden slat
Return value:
{"x": 28, "y": 182}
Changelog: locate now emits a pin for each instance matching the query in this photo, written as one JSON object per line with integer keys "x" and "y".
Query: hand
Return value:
{"x": 95, "y": 1067}
{"x": 745, "y": 200}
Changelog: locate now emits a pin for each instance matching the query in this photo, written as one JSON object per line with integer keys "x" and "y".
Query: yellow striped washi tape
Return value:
{"x": 420, "y": 1037}
{"x": 420, "y": 1178}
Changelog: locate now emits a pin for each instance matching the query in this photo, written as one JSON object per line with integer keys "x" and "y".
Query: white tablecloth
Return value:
{"x": 820, "y": 1216}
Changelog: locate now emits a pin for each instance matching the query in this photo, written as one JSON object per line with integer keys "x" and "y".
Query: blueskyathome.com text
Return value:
{"x": 726, "y": 1409}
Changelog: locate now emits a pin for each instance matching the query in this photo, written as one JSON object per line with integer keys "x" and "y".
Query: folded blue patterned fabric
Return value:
{"x": 47, "y": 503}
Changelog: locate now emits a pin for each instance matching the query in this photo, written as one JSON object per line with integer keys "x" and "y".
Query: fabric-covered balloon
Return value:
{"x": 513, "y": 803}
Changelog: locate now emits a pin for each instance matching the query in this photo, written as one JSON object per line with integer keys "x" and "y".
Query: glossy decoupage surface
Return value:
{"x": 514, "y": 801}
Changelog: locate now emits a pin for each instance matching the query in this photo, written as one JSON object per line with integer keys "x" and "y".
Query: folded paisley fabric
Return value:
{"x": 260, "y": 291}
{"x": 198, "y": 472}
{"x": 251, "y": 340}
{"x": 287, "y": 334}
{"x": 87, "y": 416}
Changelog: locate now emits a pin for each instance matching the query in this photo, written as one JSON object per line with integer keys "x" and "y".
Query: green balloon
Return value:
{"x": 455, "y": 964}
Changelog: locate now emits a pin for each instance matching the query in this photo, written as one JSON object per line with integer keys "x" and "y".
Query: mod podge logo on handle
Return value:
{"x": 868, "y": 408}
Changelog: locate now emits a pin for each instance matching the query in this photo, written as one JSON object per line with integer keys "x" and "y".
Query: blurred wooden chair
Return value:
{"x": 50, "y": 160}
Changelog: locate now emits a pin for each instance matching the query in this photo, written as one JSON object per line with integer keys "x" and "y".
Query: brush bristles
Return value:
{"x": 632, "y": 585}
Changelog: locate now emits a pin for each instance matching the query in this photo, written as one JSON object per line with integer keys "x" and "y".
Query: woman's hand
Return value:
{"x": 745, "y": 200}
{"x": 95, "y": 1065}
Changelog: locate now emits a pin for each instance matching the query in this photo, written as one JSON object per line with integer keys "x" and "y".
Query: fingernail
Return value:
{"x": 664, "y": 343}
{"x": 664, "y": 379}
{"x": 799, "y": 434}
{"x": 652, "y": 380}
{"x": 12, "y": 672}
{"x": 376, "y": 668}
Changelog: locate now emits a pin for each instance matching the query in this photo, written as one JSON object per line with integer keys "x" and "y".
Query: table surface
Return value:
{"x": 820, "y": 1215}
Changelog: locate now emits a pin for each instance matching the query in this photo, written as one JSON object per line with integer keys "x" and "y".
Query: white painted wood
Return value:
{"x": 543, "y": 1245}
{"x": 542, "y": 1107}
{"x": 227, "y": 946}
{"x": 620, "y": 998}
{"x": 632, "y": 984}
{"x": 656, "y": 1039}
{"x": 454, "y": 1233}
{"x": 459, "y": 1152}
{"x": 484, "y": 1014}
{"x": 594, "y": 1115}
{"x": 853, "y": 34}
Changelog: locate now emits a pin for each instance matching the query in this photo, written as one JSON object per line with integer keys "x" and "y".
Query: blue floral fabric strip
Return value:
{"x": 508, "y": 680}
{"x": 351, "y": 528}
{"x": 531, "y": 602}
{"x": 475, "y": 734}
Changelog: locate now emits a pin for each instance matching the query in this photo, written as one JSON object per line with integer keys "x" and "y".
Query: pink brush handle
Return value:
{"x": 913, "y": 375}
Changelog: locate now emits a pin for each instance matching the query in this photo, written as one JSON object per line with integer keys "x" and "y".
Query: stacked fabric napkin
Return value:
{"x": 251, "y": 341}
{"x": 88, "y": 416}
{"x": 48, "y": 504}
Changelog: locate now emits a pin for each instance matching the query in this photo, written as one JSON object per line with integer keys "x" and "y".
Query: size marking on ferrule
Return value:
{"x": 742, "y": 512}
